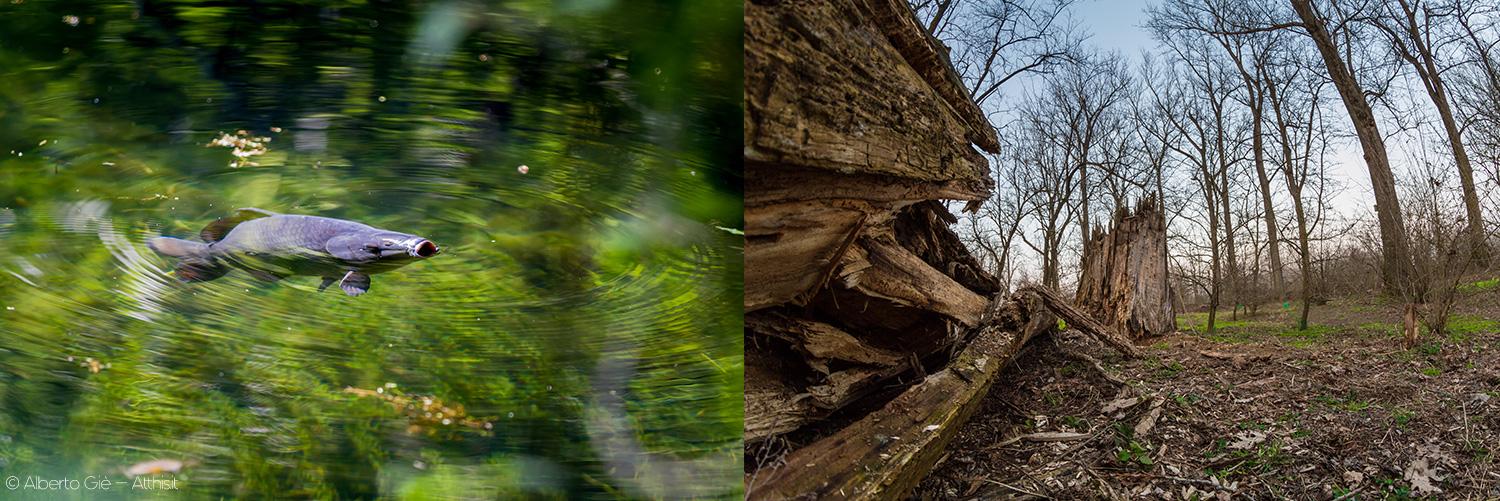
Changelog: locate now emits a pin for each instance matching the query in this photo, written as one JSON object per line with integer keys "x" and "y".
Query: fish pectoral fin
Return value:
{"x": 327, "y": 281}
{"x": 355, "y": 283}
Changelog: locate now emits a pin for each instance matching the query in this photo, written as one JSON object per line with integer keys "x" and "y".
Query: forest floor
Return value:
{"x": 1256, "y": 410}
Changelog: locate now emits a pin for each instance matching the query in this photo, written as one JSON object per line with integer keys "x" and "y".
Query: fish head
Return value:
{"x": 392, "y": 245}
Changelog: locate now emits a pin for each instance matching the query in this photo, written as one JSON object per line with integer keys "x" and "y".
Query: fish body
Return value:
{"x": 271, "y": 246}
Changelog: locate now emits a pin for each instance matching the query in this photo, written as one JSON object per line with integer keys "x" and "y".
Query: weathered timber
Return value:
{"x": 884, "y": 455}
{"x": 847, "y": 368}
{"x": 851, "y": 114}
{"x": 897, "y": 275}
{"x": 856, "y": 128}
{"x": 1124, "y": 283}
{"x": 825, "y": 87}
{"x": 1081, "y": 321}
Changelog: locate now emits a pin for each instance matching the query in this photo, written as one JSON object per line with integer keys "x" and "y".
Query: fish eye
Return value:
{"x": 388, "y": 243}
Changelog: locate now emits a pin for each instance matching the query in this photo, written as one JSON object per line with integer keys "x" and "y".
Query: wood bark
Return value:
{"x": 1124, "y": 283}
{"x": 884, "y": 455}
{"x": 1397, "y": 266}
{"x": 1083, "y": 322}
{"x": 856, "y": 127}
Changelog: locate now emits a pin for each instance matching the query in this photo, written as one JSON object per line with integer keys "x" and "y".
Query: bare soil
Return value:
{"x": 1255, "y": 410}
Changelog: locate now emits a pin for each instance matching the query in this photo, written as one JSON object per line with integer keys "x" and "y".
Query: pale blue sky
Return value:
{"x": 1115, "y": 25}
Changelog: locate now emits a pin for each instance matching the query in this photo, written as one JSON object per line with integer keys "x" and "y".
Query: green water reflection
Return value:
{"x": 580, "y": 336}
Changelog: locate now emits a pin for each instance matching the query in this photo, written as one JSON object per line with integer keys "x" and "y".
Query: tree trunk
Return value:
{"x": 1426, "y": 65}
{"x": 1278, "y": 283}
{"x": 1215, "y": 290}
{"x": 1124, "y": 282}
{"x": 1398, "y": 271}
{"x": 1231, "y": 263}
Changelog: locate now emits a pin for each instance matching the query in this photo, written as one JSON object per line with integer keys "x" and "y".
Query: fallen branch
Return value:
{"x": 1083, "y": 322}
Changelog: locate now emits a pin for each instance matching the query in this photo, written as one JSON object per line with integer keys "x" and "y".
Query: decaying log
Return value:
{"x": 851, "y": 116}
{"x": 856, "y": 131}
{"x": 1081, "y": 321}
{"x": 845, "y": 367}
{"x": 825, "y": 87}
{"x": 1124, "y": 282}
{"x": 885, "y": 454}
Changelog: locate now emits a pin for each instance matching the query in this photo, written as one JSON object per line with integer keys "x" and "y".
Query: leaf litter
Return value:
{"x": 1263, "y": 412}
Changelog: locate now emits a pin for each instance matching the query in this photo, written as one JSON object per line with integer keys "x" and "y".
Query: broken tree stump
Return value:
{"x": 1124, "y": 282}
{"x": 886, "y": 454}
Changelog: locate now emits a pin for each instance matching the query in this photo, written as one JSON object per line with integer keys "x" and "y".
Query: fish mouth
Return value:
{"x": 424, "y": 249}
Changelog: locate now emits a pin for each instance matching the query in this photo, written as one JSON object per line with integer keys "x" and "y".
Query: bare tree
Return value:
{"x": 1044, "y": 166}
{"x": 1397, "y": 268}
{"x": 1086, "y": 100}
{"x": 1193, "y": 102}
{"x": 1409, "y": 28}
{"x": 993, "y": 228}
{"x": 994, "y": 41}
{"x": 1249, "y": 53}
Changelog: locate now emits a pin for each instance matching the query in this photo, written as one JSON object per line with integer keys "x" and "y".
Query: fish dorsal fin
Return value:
{"x": 216, "y": 230}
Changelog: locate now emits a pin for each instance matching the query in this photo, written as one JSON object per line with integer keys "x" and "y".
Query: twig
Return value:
{"x": 1209, "y": 483}
{"x": 1017, "y": 489}
{"x": 1347, "y": 495}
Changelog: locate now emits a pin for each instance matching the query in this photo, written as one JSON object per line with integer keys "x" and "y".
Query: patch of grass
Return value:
{"x": 1267, "y": 457}
{"x": 1131, "y": 452}
{"x": 1349, "y": 403}
{"x": 1312, "y": 332}
{"x": 1400, "y": 417}
{"x": 1075, "y": 422}
{"x": 1474, "y": 447}
{"x": 1199, "y": 321}
{"x": 1169, "y": 369}
{"x": 1052, "y": 398}
{"x": 1432, "y": 371}
{"x": 1388, "y": 330}
{"x": 1485, "y": 286}
{"x": 1471, "y": 325}
{"x": 1233, "y": 337}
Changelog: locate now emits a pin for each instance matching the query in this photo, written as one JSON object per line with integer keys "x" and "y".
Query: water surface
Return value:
{"x": 579, "y": 336}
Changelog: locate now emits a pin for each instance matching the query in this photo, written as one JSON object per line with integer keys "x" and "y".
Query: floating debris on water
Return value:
{"x": 154, "y": 467}
{"x": 425, "y": 413}
{"x": 245, "y": 145}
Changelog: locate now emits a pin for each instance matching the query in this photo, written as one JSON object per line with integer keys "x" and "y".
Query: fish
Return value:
{"x": 271, "y": 247}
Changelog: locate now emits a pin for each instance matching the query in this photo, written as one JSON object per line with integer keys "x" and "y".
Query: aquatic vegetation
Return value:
{"x": 584, "y": 313}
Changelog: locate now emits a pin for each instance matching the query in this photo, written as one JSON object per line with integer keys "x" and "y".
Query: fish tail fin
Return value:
{"x": 194, "y": 263}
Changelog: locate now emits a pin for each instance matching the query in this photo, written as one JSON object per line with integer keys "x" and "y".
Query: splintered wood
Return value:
{"x": 885, "y": 454}
{"x": 1124, "y": 283}
{"x": 1081, "y": 321}
{"x": 857, "y": 130}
